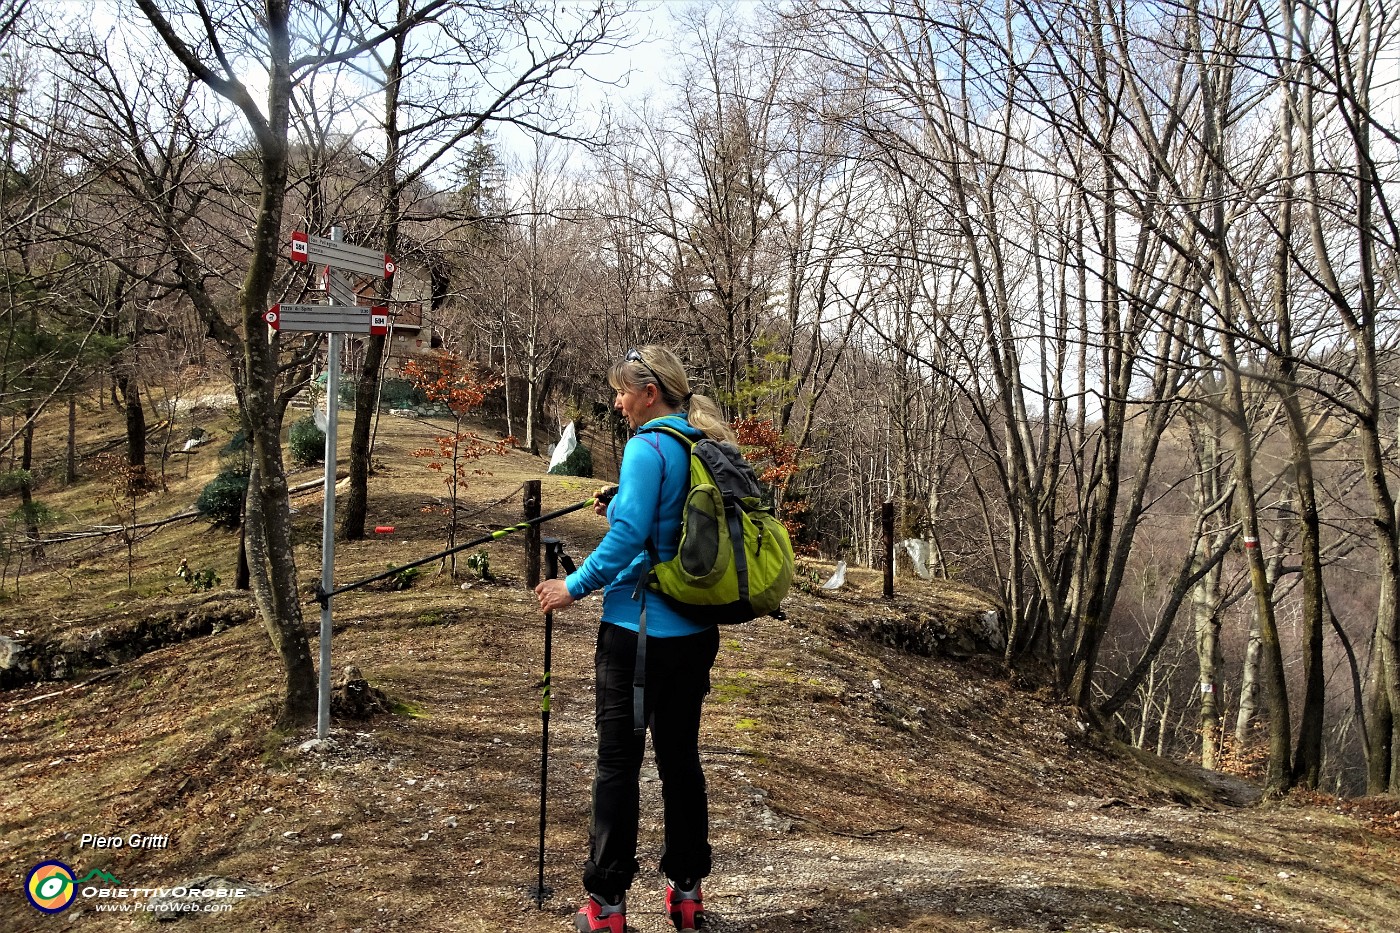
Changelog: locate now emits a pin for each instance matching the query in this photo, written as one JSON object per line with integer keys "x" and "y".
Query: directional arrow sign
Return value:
{"x": 338, "y": 287}
{"x": 323, "y": 319}
{"x": 307, "y": 248}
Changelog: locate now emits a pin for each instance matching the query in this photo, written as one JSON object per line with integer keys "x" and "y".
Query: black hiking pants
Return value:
{"x": 677, "y": 679}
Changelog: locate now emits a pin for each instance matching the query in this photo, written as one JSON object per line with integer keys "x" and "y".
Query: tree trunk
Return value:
{"x": 1162, "y": 722}
{"x": 354, "y": 505}
{"x": 1214, "y": 101}
{"x": 1279, "y": 775}
{"x": 1209, "y": 658}
{"x": 1249, "y": 686}
{"x": 1381, "y": 726}
{"x": 135, "y": 426}
{"x": 289, "y": 641}
{"x": 1209, "y": 493}
{"x": 1092, "y": 621}
{"x": 531, "y": 402}
{"x": 26, "y": 493}
{"x": 356, "y": 501}
{"x": 253, "y": 352}
{"x": 242, "y": 579}
{"x": 272, "y": 554}
{"x": 1383, "y": 731}
{"x": 1307, "y": 763}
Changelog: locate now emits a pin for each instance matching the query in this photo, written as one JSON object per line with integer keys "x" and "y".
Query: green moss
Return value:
{"x": 408, "y": 710}
{"x": 732, "y": 690}
{"x": 274, "y": 756}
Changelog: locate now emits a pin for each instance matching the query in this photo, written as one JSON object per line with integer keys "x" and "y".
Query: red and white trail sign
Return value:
{"x": 308, "y": 248}
{"x": 326, "y": 319}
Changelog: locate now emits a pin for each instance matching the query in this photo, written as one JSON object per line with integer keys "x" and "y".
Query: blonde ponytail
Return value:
{"x": 705, "y": 414}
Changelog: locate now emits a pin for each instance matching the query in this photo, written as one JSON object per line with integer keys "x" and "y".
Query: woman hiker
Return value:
{"x": 651, "y": 385}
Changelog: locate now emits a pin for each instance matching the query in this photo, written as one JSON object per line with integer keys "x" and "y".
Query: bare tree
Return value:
{"x": 1340, "y": 48}
{"x": 289, "y": 46}
{"x": 446, "y": 79}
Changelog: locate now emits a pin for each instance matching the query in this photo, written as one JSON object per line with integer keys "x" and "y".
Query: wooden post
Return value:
{"x": 532, "y": 534}
{"x": 887, "y": 524}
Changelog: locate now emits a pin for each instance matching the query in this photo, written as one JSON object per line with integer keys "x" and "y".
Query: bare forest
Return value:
{"x": 1102, "y": 296}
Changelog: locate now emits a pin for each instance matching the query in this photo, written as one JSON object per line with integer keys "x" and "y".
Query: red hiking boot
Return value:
{"x": 684, "y": 906}
{"x": 597, "y": 915}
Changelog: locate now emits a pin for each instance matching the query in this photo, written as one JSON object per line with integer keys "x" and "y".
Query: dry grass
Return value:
{"x": 946, "y": 798}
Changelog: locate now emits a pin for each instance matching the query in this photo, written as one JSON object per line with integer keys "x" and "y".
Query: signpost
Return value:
{"x": 342, "y": 316}
{"x": 338, "y": 255}
{"x": 328, "y": 319}
{"x": 323, "y": 704}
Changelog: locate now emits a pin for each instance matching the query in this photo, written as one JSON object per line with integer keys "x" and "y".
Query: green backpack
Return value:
{"x": 735, "y": 560}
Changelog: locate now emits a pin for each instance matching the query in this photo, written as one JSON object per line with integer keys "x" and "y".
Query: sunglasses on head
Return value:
{"x": 635, "y": 356}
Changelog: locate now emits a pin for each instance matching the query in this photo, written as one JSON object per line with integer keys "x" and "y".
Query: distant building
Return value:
{"x": 409, "y": 337}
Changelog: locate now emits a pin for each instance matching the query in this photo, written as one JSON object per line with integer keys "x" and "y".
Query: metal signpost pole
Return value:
{"x": 323, "y": 711}
{"x": 332, "y": 319}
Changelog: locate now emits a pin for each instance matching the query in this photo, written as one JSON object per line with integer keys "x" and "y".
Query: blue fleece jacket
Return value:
{"x": 651, "y": 488}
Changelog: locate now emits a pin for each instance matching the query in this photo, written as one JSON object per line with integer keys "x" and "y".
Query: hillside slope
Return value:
{"x": 855, "y": 785}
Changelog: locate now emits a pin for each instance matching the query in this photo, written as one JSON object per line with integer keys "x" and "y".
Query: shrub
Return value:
{"x": 11, "y": 481}
{"x": 307, "y": 442}
{"x": 237, "y": 455}
{"x": 401, "y": 393}
{"x": 480, "y": 564}
{"x": 400, "y": 579}
{"x": 221, "y": 500}
{"x": 394, "y": 392}
{"x": 199, "y": 581}
{"x": 36, "y": 514}
{"x": 237, "y": 445}
{"x": 577, "y": 463}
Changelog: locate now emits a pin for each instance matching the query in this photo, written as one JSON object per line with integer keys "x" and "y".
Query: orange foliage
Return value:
{"x": 448, "y": 380}
{"x": 1247, "y": 761}
{"x": 776, "y": 461}
{"x": 763, "y": 444}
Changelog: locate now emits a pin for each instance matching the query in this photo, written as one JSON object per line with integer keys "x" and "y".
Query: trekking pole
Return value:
{"x": 553, "y": 556}
{"x": 604, "y": 495}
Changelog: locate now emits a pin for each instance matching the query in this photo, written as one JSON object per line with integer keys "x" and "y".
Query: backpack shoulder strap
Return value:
{"x": 639, "y": 717}
{"x": 667, "y": 429}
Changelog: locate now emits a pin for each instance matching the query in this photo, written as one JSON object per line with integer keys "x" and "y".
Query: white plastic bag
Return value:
{"x": 566, "y": 445}
{"x": 838, "y": 578}
{"x": 919, "y": 553}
